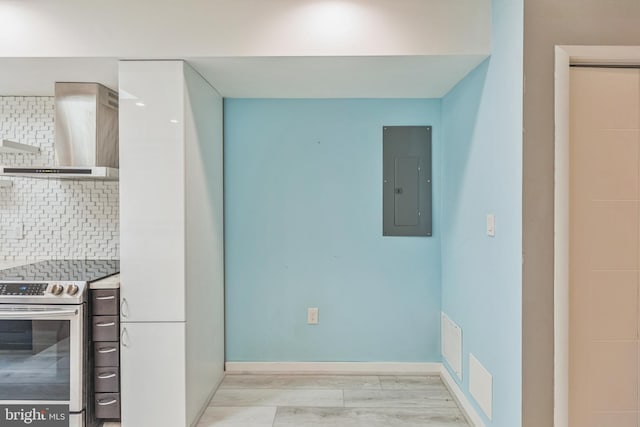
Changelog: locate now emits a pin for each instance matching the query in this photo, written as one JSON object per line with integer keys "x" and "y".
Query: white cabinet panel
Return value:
{"x": 153, "y": 375}
{"x": 204, "y": 240}
{"x": 152, "y": 190}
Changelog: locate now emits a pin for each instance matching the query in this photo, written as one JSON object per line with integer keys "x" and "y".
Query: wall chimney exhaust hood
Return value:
{"x": 86, "y": 137}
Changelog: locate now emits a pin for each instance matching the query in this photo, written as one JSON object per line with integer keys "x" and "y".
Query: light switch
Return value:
{"x": 491, "y": 225}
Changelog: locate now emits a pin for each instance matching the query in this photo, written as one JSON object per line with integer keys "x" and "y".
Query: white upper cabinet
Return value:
{"x": 152, "y": 191}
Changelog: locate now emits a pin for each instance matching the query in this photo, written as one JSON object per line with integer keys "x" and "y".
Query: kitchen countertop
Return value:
{"x": 111, "y": 282}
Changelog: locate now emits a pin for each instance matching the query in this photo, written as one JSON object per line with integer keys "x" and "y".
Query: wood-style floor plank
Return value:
{"x": 277, "y": 397}
{"x": 312, "y": 382}
{"x": 332, "y": 400}
{"x": 434, "y": 398}
{"x": 370, "y": 417}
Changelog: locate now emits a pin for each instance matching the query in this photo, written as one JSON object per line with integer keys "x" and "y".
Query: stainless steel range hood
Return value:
{"x": 72, "y": 172}
{"x": 86, "y": 138}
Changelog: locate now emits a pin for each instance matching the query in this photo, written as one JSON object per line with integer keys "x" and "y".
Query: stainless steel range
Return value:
{"x": 44, "y": 338}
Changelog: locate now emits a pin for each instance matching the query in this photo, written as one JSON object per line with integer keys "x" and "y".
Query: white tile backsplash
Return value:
{"x": 60, "y": 219}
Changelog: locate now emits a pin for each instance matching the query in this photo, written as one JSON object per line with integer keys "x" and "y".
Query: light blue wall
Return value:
{"x": 303, "y": 224}
{"x": 482, "y": 173}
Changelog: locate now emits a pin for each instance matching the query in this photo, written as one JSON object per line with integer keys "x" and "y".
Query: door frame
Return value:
{"x": 565, "y": 56}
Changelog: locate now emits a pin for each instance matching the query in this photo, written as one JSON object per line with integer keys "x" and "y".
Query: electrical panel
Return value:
{"x": 407, "y": 183}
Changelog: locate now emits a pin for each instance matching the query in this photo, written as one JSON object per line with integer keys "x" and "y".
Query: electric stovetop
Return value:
{"x": 62, "y": 270}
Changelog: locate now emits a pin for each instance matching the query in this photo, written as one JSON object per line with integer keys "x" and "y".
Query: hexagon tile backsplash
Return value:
{"x": 46, "y": 218}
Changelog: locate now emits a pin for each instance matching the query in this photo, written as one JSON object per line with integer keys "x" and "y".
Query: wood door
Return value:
{"x": 604, "y": 247}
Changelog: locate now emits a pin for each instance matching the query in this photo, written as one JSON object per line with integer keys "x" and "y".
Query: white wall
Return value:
{"x": 167, "y": 28}
{"x": 61, "y": 219}
{"x": 204, "y": 258}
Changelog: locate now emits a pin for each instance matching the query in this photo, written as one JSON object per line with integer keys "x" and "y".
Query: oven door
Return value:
{"x": 41, "y": 359}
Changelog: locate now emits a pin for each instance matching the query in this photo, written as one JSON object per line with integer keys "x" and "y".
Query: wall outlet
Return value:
{"x": 312, "y": 315}
{"x": 16, "y": 231}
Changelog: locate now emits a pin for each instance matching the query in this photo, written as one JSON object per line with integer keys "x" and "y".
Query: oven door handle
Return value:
{"x": 36, "y": 314}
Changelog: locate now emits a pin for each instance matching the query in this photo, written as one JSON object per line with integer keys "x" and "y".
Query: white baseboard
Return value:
{"x": 344, "y": 368}
{"x": 465, "y": 406}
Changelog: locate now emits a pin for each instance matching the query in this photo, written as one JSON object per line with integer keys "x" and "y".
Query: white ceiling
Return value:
{"x": 250, "y": 48}
{"x": 428, "y": 76}
{"x": 206, "y": 28}
{"x": 336, "y": 77}
{"x": 36, "y": 76}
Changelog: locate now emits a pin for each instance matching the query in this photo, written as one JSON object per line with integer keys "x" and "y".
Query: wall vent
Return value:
{"x": 451, "y": 336}
{"x": 481, "y": 385}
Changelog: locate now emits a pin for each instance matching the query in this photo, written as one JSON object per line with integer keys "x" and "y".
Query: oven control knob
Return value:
{"x": 72, "y": 289}
{"x": 56, "y": 289}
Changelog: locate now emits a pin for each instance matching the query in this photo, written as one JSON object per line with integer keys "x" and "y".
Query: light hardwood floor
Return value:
{"x": 332, "y": 400}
